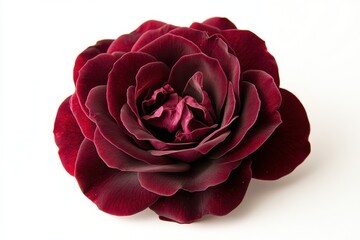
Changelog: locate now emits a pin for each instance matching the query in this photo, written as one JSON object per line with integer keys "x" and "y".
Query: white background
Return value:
{"x": 316, "y": 44}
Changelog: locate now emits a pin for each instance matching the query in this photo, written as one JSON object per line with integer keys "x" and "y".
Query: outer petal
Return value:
{"x": 86, "y": 125}
{"x": 68, "y": 136}
{"x": 202, "y": 175}
{"x": 186, "y": 207}
{"x": 221, "y": 23}
{"x": 89, "y": 53}
{"x": 94, "y": 73}
{"x": 288, "y": 146}
{"x": 113, "y": 191}
{"x": 125, "y": 42}
{"x": 252, "y": 52}
{"x": 210, "y": 30}
{"x": 150, "y": 36}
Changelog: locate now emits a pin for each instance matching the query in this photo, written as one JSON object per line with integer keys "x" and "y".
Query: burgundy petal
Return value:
{"x": 151, "y": 76}
{"x": 186, "y": 207}
{"x": 252, "y": 52}
{"x": 249, "y": 112}
{"x": 113, "y": 191}
{"x": 150, "y": 36}
{"x": 288, "y": 146}
{"x": 210, "y": 30}
{"x": 202, "y": 175}
{"x": 86, "y": 125}
{"x": 89, "y": 53}
{"x": 140, "y": 133}
{"x": 195, "y": 153}
{"x": 215, "y": 81}
{"x": 68, "y": 136}
{"x": 125, "y": 42}
{"x": 230, "y": 106}
{"x": 108, "y": 128}
{"x": 115, "y": 158}
{"x": 268, "y": 119}
{"x": 221, "y": 23}
{"x": 121, "y": 77}
{"x": 169, "y": 43}
{"x": 217, "y": 48}
{"x": 94, "y": 73}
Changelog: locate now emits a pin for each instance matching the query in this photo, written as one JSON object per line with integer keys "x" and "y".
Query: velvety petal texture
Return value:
{"x": 178, "y": 120}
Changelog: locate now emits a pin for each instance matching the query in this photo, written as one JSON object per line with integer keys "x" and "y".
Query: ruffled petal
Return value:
{"x": 202, "y": 175}
{"x": 108, "y": 128}
{"x": 220, "y": 23}
{"x": 170, "y": 43}
{"x": 113, "y": 191}
{"x": 68, "y": 136}
{"x": 125, "y": 42}
{"x": 115, "y": 158}
{"x": 288, "y": 146}
{"x": 214, "y": 79}
{"x": 89, "y": 53}
{"x": 268, "y": 119}
{"x": 86, "y": 125}
{"x": 186, "y": 207}
{"x": 121, "y": 77}
{"x": 94, "y": 73}
{"x": 142, "y": 134}
{"x": 252, "y": 52}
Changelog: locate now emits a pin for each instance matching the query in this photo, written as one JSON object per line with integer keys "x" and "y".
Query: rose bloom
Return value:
{"x": 178, "y": 120}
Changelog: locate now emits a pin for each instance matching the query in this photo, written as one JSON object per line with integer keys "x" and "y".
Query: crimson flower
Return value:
{"x": 178, "y": 119}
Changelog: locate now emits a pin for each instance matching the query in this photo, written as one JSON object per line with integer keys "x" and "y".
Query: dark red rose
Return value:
{"x": 179, "y": 120}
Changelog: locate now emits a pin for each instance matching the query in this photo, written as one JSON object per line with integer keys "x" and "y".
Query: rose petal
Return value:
{"x": 252, "y": 52}
{"x": 121, "y": 77}
{"x": 94, "y": 73}
{"x": 210, "y": 30}
{"x": 248, "y": 116}
{"x": 267, "y": 121}
{"x": 108, "y": 128}
{"x": 169, "y": 43}
{"x": 125, "y": 42}
{"x": 215, "y": 47}
{"x": 288, "y": 146}
{"x": 113, "y": 191}
{"x": 186, "y": 207}
{"x": 150, "y": 36}
{"x": 142, "y": 134}
{"x": 115, "y": 158}
{"x": 202, "y": 175}
{"x": 89, "y": 53}
{"x": 195, "y": 153}
{"x": 221, "y": 23}
{"x": 230, "y": 106}
{"x": 86, "y": 125}
{"x": 214, "y": 79}
{"x": 68, "y": 136}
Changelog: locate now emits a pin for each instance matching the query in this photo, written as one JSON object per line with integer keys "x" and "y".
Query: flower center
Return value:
{"x": 174, "y": 118}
